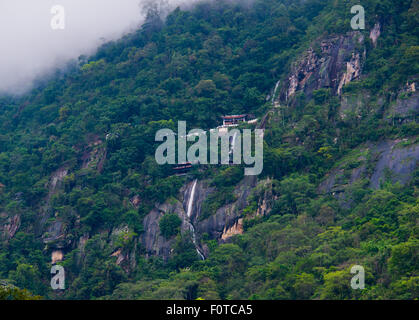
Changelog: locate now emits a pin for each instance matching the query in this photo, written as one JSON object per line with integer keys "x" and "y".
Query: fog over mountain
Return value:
{"x": 31, "y": 48}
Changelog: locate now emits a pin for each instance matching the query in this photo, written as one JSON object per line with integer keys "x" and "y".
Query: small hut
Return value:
{"x": 233, "y": 120}
{"x": 182, "y": 168}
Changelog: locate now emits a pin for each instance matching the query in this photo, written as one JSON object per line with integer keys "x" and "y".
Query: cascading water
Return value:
{"x": 192, "y": 229}
{"x": 276, "y": 104}
{"x": 274, "y": 101}
{"x": 233, "y": 141}
{"x": 191, "y": 199}
{"x": 274, "y": 94}
{"x": 189, "y": 213}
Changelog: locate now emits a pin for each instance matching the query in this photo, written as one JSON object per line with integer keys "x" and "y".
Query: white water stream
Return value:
{"x": 189, "y": 213}
{"x": 191, "y": 198}
{"x": 274, "y": 93}
{"x": 233, "y": 141}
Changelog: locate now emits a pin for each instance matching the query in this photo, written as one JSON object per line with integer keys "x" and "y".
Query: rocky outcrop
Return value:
{"x": 397, "y": 160}
{"x": 81, "y": 245}
{"x": 135, "y": 201}
{"x": 152, "y": 240}
{"x": 359, "y": 104}
{"x": 224, "y": 223}
{"x": 55, "y": 235}
{"x": 123, "y": 245}
{"x": 227, "y": 216}
{"x": 94, "y": 155}
{"x": 406, "y": 107}
{"x": 410, "y": 87}
{"x": 202, "y": 190}
{"x": 336, "y": 62}
{"x": 119, "y": 255}
{"x": 236, "y": 228}
{"x": 353, "y": 68}
{"x": 54, "y": 184}
{"x": 388, "y": 159}
{"x": 375, "y": 33}
{"x": 265, "y": 196}
{"x": 125, "y": 258}
{"x": 9, "y": 225}
{"x": 57, "y": 256}
{"x": 56, "y": 179}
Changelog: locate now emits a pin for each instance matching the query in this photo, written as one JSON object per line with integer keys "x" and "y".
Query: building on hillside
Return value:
{"x": 234, "y": 120}
{"x": 182, "y": 168}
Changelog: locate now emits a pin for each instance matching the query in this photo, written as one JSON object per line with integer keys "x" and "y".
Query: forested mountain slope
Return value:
{"x": 80, "y": 186}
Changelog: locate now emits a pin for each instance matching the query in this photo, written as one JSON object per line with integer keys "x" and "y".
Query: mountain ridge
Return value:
{"x": 80, "y": 183}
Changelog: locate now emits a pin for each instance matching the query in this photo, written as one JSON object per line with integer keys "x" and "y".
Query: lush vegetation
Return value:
{"x": 98, "y": 123}
{"x": 169, "y": 225}
{"x": 10, "y": 292}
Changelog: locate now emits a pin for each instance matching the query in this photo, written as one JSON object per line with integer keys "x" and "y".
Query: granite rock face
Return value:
{"x": 8, "y": 225}
{"x": 406, "y": 108}
{"x": 152, "y": 240}
{"x": 202, "y": 191}
{"x": 223, "y": 222}
{"x": 391, "y": 160}
{"x": 227, "y": 216}
{"x": 398, "y": 161}
{"x": 336, "y": 62}
{"x": 375, "y": 33}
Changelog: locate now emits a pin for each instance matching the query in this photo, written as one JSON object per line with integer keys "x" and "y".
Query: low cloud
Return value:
{"x": 30, "y": 47}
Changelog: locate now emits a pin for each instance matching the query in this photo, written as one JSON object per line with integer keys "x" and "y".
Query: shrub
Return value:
{"x": 169, "y": 225}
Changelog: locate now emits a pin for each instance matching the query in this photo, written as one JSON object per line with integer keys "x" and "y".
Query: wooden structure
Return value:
{"x": 182, "y": 168}
{"x": 234, "y": 120}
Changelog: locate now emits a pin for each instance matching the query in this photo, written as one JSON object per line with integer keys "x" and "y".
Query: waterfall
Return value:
{"x": 189, "y": 213}
{"x": 192, "y": 229}
{"x": 191, "y": 199}
{"x": 233, "y": 141}
{"x": 274, "y": 94}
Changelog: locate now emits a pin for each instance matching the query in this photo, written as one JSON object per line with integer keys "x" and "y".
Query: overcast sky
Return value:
{"x": 29, "y": 47}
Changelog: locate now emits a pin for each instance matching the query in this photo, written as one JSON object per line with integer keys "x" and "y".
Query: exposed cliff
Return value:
{"x": 393, "y": 160}
{"x": 406, "y": 108}
{"x": 228, "y": 215}
{"x": 215, "y": 226}
{"x": 8, "y": 225}
{"x": 329, "y": 63}
{"x": 153, "y": 241}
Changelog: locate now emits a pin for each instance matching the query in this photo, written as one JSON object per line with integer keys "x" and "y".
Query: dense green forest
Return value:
{"x": 78, "y": 174}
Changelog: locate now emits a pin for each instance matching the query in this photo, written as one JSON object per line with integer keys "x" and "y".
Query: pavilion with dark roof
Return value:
{"x": 234, "y": 119}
